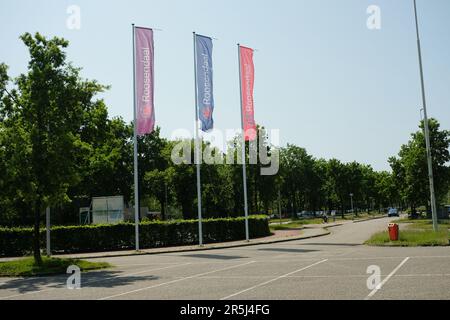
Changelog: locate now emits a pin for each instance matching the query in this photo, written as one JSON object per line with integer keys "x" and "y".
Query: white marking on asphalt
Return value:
{"x": 136, "y": 273}
{"x": 143, "y": 264}
{"x": 167, "y": 263}
{"x": 93, "y": 281}
{"x": 364, "y": 276}
{"x": 174, "y": 281}
{"x": 333, "y": 258}
{"x": 386, "y": 279}
{"x": 272, "y": 280}
{"x": 115, "y": 265}
{"x": 311, "y": 255}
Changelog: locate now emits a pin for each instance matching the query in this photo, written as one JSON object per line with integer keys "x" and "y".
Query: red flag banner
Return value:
{"x": 247, "y": 73}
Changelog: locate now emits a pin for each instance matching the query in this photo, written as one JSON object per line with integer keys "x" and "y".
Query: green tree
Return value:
{"x": 338, "y": 187}
{"x": 386, "y": 190}
{"x": 295, "y": 162}
{"x": 43, "y": 118}
{"x": 151, "y": 155}
{"x": 316, "y": 187}
{"x": 156, "y": 183}
{"x": 107, "y": 164}
{"x": 354, "y": 184}
{"x": 411, "y": 171}
{"x": 182, "y": 178}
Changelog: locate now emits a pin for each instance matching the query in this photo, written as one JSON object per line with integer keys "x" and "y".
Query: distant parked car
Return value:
{"x": 301, "y": 215}
{"x": 305, "y": 215}
{"x": 393, "y": 212}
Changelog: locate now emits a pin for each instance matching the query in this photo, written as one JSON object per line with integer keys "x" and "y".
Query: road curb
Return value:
{"x": 368, "y": 219}
{"x": 324, "y": 232}
{"x": 326, "y": 227}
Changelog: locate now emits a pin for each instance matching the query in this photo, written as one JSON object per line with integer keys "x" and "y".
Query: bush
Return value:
{"x": 27, "y": 267}
{"x": 74, "y": 239}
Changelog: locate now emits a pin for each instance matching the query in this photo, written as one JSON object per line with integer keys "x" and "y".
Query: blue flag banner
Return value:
{"x": 205, "y": 97}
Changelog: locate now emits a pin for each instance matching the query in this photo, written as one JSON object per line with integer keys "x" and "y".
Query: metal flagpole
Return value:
{"x": 197, "y": 149}
{"x": 47, "y": 231}
{"x": 136, "y": 178}
{"x": 427, "y": 130}
{"x": 244, "y": 170}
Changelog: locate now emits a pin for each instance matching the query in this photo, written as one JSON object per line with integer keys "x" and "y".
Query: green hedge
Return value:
{"x": 74, "y": 239}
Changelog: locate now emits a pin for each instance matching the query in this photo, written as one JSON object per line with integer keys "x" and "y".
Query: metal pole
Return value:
{"x": 197, "y": 150}
{"x": 426, "y": 128}
{"x": 244, "y": 170}
{"x": 351, "y": 200}
{"x": 165, "y": 204}
{"x": 47, "y": 231}
{"x": 107, "y": 210}
{"x": 136, "y": 178}
{"x": 279, "y": 206}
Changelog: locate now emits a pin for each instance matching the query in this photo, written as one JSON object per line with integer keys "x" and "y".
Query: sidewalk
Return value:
{"x": 278, "y": 236}
{"x": 306, "y": 232}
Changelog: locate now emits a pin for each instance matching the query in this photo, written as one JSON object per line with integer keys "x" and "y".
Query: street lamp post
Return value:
{"x": 426, "y": 128}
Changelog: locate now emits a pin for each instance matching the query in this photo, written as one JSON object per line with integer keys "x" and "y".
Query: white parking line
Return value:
{"x": 94, "y": 280}
{"x": 362, "y": 276}
{"x": 272, "y": 280}
{"x": 139, "y": 272}
{"x": 143, "y": 264}
{"x": 174, "y": 281}
{"x": 386, "y": 279}
{"x": 337, "y": 258}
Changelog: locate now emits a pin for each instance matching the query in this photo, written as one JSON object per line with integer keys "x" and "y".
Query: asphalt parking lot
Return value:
{"x": 329, "y": 267}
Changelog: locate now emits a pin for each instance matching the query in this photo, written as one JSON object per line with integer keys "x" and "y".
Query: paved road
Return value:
{"x": 330, "y": 267}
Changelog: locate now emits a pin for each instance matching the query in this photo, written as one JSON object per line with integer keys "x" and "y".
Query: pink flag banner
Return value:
{"x": 144, "y": 70}
{"x": 247, "y": 72}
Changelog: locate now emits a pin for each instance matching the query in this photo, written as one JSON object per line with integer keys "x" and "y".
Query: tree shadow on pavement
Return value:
{"x": 98, "y": 279}
{"x": 332, "y": 244}
{"x": 288, "y": 250}
{"x": 213, "y": 256}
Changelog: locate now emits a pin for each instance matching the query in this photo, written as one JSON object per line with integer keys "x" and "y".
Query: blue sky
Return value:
{"x": 323, "y": 78}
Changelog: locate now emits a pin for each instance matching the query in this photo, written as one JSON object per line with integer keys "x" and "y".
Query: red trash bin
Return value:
{"x": 393, "y": 231}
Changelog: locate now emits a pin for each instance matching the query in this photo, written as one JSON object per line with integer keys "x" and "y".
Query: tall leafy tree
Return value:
{"x": 157, "y": 184}
{"x": 386, "y": 190}
{"x": 44, "y": 117}
{"x": 410, "y": 168}
{"x": 295, "y": 163}
{"x": 182, "y": 179}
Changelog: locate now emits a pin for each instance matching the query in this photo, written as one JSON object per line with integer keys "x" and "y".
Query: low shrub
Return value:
{"x": 91, "y": 238}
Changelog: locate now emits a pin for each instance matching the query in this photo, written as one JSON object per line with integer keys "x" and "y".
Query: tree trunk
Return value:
{"x": 413, "y": 212}
{"x": 162, "y": 203}
{"x": 256, "y": 207}
{"x": 187, "y": 211}
{"x": 428, "y": 210}
{"x": 36, "y": 233}
{"x": 293, "y": 213}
